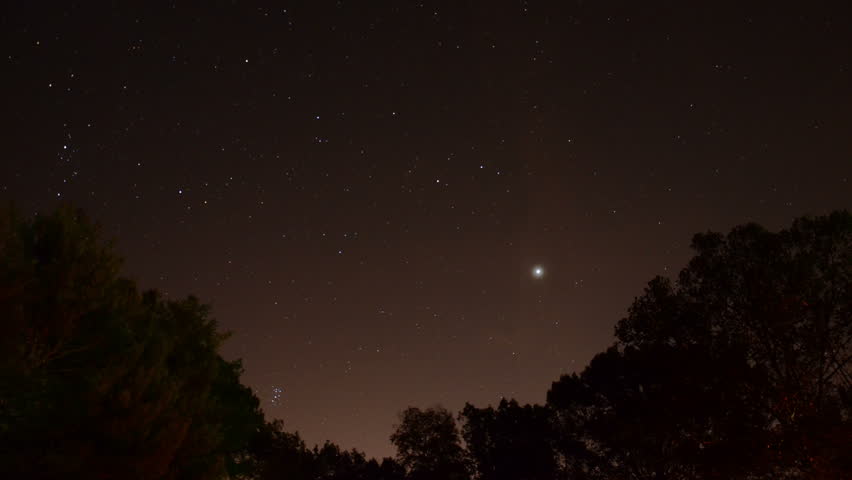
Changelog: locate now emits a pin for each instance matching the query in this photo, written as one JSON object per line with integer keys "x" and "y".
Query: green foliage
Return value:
{"x": 100, "y": 381}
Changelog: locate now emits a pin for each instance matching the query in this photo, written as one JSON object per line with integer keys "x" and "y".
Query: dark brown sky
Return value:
{"x": 361, "y": 189}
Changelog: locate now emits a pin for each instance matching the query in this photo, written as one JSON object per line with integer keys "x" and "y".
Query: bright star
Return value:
{"x": 538, "y": 271}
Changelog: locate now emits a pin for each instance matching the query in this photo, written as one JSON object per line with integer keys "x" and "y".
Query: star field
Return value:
{"x": 410, "y": 203}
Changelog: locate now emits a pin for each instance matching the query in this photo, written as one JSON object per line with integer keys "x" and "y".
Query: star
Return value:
{"x": 538, "y": 271}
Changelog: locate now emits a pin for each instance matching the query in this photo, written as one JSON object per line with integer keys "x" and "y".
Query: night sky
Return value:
{"x": 363, "y": 190}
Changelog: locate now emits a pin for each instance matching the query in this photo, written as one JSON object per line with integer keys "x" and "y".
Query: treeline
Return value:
{"x": 99, "y": 380}
{"x": 741, "y": 368}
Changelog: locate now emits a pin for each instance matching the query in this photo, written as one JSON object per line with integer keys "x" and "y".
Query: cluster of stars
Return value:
{"x": 276, "y": 395}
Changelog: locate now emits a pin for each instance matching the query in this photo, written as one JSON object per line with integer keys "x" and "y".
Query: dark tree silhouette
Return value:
{"x": 428, "y": 445}
{"x": 333, "y": 463}
{"x": 657, "y": 414}
{"x": 97, "y": 380}
{"x": 511, "y": 442}
{"x": 740, "y": 369}
{"x": 279, "y": 455}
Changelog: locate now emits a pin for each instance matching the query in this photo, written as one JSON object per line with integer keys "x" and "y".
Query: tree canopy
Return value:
{"x": 740, "y": 368}
{"x": 99, "y": 379}
{"x": 429, "y": 445}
